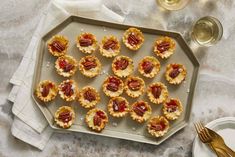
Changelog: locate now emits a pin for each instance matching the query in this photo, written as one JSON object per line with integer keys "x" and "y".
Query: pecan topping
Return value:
{"x": 89, "y": 63}
{"x": 98, "y": 118}
{"x": 86, "y": 41}
{"x": 134, "y": 85}
{"x": 163, "y": 46}
{"x": 89, "y": 95}
{"x": 113, "y": 84}
{"x": 171, "y": 106}
{"x": 133, "y": 39}
{"x": 147, "y": 67}
{"x": 66, "y": 66}
{"x": 119, "y": 106}
{"x": 110, "y": 44}
{"x": 121, "y": 64}
{"x": 156, "y": 91}
{"x": 46, "y": 89}
{"x": 65, "y": 116}
{"x": 175, "y": 72}
{"x": 67, "y": 89}
{"x": 57, "y": 46}
{"x": 140, "y": 109}
{"x": 158, "y": 126}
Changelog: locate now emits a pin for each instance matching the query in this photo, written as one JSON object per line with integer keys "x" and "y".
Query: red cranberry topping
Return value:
{"x": 147, "y": 66}
{"x": 113, "y": 84}
{"x": 121, "y": 64}
{"x": 86, "y": 40}
{"x": 46, "y": 89}
{"x": 89, "y": 95}
{"x": 89, "y": 63}
{"x": 133, "y": 39}
{"x": 158, "y": 126}
{"x": 156, "y": 91}
{"x": 110, "y": 44}
{"x": 163, "y": 46}
{"x": 101, "y": 114}
{"x": 67, "y": 89}
{"x": 119, "y": 106}
{"x": 175, "y": 72}
{"x": 134, "y": 85}
{"x": 171, "y": 106}
{"x": 140, "y": 109}
{"x": 57, "y": 46}
{"x": 65, "y": 116}
{"x": 65, "y": 65}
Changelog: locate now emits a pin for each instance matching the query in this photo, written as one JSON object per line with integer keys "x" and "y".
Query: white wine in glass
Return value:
{"x": 207, "y": 31}
{"x": 173, "y": 4}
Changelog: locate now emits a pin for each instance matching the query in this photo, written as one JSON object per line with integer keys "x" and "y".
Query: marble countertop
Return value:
{"x": 214, "y": 95}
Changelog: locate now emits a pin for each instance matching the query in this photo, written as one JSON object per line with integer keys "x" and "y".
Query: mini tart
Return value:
{"x": 134, "y": 86}
{"x": 175, "y": 73}
{"x": 133, "y": 38}
{"x": 172, "y": 109}
{"x": 66, "y": 66}
{"x": 118, "y": 107}
{"x": 157, "y": 93}
{"x": 149, "y": 66}
{"x": 109, "y": 46}
{"x": 68, "y": 90}
{"x": 96, "y": 119}
{"x": 58, "y": 45}
{"x": 164, "y": 47}
{"x": 46, "y": 91}
{"x": 64, "y": 117}
{"x": 87, "y": 43}
{"x": 113, "y": 86}
{"x": 122, "y": 66}
{"x": 88, "y": 97}
{"x": 90, "y": 66}
{"x": 140, "y": 111}
{"x": 158, "y": 126}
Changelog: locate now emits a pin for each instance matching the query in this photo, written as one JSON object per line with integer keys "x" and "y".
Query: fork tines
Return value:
{"x": 203, "y": 132}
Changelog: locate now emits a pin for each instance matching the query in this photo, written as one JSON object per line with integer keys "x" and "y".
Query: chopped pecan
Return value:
{"x": 121, "y": 64}
{"x": 57, "y": 46}
{"x": 119, "y": 106}
{"x": 163, "y": 46}
{"x": 89, "y": 63}
{"x": 156, "y": 91}
{"x": 134, "y": 85}
{"x": 147, "y": 66}
{"x": 67, "y": 89}
{"x": 140, "y": 109}
{"x": 89, "y": 95}
{"x": 65, "y": 116}
{"x": 110, "y": 44}
{"x": 133, "y": 39}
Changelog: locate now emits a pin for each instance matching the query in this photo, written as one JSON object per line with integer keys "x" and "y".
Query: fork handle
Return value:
{"x": 228, "y": 150}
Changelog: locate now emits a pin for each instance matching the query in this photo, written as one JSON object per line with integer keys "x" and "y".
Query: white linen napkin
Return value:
{"x": 29, "y": 124}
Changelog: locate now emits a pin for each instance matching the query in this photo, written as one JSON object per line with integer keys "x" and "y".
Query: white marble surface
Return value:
{"x": 214, "y": 96}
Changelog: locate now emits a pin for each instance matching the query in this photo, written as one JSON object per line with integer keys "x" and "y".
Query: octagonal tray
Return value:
{"x": 122, "y": 128}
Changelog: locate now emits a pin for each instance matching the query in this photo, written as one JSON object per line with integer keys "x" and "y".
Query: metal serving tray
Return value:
{"x": 122, "y": 128}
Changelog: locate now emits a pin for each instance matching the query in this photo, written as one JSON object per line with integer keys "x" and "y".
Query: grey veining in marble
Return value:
{"x": 214, "y": 96}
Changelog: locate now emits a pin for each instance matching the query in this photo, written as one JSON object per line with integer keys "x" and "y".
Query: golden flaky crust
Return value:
{"x": 156, "y": 121}
{"x": 137, "y": 92}
{"x": 181, "y": 76}
{"x": 110, "y": 52}
{"x": 61, "y": 39}
{"x": 163, "y": 94}
{"x": 89, "y": 120}
{"x": 59, "y": 122}
{"x": 113, "y": 93}
{"x": 169, "y": 51}
{"x": 69, "y": 59}
{"x": 86, "y": 103}
{"x": 93, "y": 71}
{"x": 118, "y": 113}
{"x": 53, "y": 90}
{"x": 156, "y": 66}
{"x": 172, "y": 112}
{"x": 146, "y": 114}
{"x": 136, "y": 32}
{"x": 74, "y": 88}
{"x": 125, "y": 72}
{"x": 89, "y": 49}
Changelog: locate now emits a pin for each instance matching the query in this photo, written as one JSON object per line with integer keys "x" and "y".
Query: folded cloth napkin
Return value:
{"x": 29, "y": 123}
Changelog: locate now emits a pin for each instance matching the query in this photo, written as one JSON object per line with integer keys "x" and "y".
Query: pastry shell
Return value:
{"x": 134, "y": 93}
{"x": 155, "y": 69}
{"x": 63, "y": 40}
{"x": 167, "y": 53}
{"x": 74, "y": 88}
{"x": 162, "y": 97}
{"x": 93, "y": 71}
{"x": 110, "y": 52}
{"x": 118, "y": 113}
{"x": 71, "y": 61}
{"x": 125, "y": 72}
{"x": 52, "y": 91}
{"x": 89, "y": 49}
{"x": 146, "y": 115}
{"x": 140, "y": 37}
{"x": 89, "y": 120}
{"x": 175, "y": 114}
{"x": 178, "y": 79}
{"x": 61, "y": 123}
{"x": 111, "y": 93}
{"x": 155, "y": 120}
{"x": 86, "y": 103}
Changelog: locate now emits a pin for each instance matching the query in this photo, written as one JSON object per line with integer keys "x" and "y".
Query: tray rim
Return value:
{"x": 190, "y": 98}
